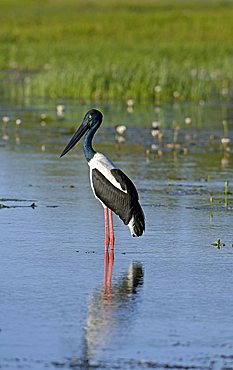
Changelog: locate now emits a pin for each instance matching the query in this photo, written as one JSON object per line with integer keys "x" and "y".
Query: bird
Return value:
{"x": 110, "y": 185}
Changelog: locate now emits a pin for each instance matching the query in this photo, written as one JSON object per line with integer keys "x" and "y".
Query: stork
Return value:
{"x": 109, "y": 184}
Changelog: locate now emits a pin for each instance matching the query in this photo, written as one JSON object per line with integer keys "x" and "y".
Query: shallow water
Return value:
{"x": 170, "y": 303}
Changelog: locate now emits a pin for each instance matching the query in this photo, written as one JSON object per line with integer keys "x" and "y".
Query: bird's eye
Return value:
{"x": 90, "y": 116}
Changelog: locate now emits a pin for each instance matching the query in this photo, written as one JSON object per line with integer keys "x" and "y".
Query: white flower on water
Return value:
{"x": 155, "y": 125}
{"x": 156, "y": 132}
{"x": 130, "y": 102}
{"x": 60, "y": 109}
{"x": 5, "y": 119}
{"x": 154, "y": 147}
{"x": 157, "y": 89}
{"x": 176, "y": 94}
{"x": 18, "y": 121}
{"x": 225, "y": 141}
{"x": 188, "y": 120}
{"x": 43, "y": 118}
{"x": 120, "y": 129}
{"x": 5, "y": 137}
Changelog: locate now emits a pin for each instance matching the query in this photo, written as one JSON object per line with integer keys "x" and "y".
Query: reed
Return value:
{"x": 102, "y": 50}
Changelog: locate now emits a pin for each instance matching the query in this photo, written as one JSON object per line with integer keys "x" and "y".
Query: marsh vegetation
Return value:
{"x": 104, "y": 50}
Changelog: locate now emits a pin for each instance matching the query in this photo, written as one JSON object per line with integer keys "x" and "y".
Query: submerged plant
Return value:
{"x": 225, "y": 127}
{"x": 226, "y": 193}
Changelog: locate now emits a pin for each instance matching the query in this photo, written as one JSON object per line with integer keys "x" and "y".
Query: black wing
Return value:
{"x": 120, "y": 202}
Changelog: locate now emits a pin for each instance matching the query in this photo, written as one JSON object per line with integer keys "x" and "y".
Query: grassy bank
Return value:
{"x": 113, "y": 49}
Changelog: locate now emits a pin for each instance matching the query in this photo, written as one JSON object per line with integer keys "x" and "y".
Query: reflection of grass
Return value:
{"x": 103, "y": 49}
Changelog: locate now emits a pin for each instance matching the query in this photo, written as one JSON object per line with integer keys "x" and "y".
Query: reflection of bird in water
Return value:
{"x": 110, "y": 185}
{"x": 111, "y": 308}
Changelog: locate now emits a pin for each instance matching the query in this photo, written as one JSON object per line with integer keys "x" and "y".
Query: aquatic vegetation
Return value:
{"x": 225, "y": 127}
{"x": 218, "y": 244}
{"x": 221, "y": 200}
{"x": 154, "y": 50}
{"x": 226, "y": 144}
{"x": 226, "y": 193}
{"x": 32, "y": 205}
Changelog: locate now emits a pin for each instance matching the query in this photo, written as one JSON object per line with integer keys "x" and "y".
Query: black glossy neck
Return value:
{"x": 87, "y": 146}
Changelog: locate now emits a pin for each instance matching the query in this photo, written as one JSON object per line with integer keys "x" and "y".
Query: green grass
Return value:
{"x": 117, "y": 49}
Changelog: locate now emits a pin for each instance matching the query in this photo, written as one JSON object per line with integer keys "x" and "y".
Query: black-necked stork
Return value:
{"x": 110, "y": 185}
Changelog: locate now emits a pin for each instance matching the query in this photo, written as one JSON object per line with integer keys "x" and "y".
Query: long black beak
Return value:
{"x": 76, "y": 137}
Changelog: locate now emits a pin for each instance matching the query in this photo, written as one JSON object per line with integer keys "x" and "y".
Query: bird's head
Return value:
{"x": 92, "y": 120}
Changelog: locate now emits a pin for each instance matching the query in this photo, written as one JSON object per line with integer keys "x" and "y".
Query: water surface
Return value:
{"x": 170, "y": 304}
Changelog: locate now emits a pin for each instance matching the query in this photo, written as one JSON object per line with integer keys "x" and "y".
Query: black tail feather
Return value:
{"x": 139, "y": 221}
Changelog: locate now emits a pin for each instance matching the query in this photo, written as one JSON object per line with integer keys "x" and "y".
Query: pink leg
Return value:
{"x": 106, "y": 242}
{"x": 106, "y": 263}
{"x": 111, "y": 231}
{"x": 111, "y": 261}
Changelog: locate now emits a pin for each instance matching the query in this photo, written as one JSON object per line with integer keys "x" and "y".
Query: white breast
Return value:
{"x": 104, "y": 165}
